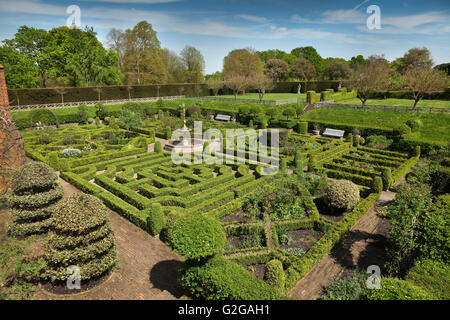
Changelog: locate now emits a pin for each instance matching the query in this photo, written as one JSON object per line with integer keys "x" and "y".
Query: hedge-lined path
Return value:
{"x": 147, "y": 266}
{"x": 362, "y": 246}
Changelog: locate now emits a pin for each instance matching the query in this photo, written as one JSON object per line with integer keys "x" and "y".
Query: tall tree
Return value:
{"x": 337, "y": 70}
{"x": 215, "y": 84}
{"x": 416, "y": 57}
{"x": 32, "y": 43}
{"x": 242, "y": 62}
{"x": 276, "y": 69}
{"x": 236, "y": 83}
{"x": 422, "y": 80}
{"x": 142, "y": 58}
{"x": 174, "y": 65}
{"x": 116, "y": 41}
{"x": 309, "y": 53}
{"x": 20, "y": 71}
{"x": 303, "y": 69}
{"x": 261, "y": 83}
{"x": 354, "y": 62}
{"x": 194, "y": 64}
{"x": 370, "y": 77}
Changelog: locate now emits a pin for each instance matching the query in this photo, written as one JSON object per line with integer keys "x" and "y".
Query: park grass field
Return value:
{"x": 400, "y": 102}
{"x": 436, "y": 127}
{"x": 267, "y": 96}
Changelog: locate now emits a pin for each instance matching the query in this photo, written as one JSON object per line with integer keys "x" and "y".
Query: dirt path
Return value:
{"x": 147, "y": 266}
{"x": 362, "y": 246}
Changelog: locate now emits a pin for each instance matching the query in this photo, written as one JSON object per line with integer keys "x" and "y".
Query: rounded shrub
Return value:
{"x": 387, "y": 178}
{"x": 312, "y": 163}
{"x": 155, "y": 220}
{"x": 158, "y": 148}
{"x": 274, "y": 275}
{"x": 401, "y": 130}
{"x": 350, "y": 138}
{"x": 168, "y": 133}
{"x": 80, "y": 235}
{"x": 250, "y": 124}
{"x": 377, "y": 185}
{"x": 342, "y": 194}
{"x": 32, "y": 177}
{"x": 196, "y": 236}
{"x": 35, "y": 190}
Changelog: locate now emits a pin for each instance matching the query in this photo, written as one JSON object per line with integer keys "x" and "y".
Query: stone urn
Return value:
{"x": 316, "y": 132}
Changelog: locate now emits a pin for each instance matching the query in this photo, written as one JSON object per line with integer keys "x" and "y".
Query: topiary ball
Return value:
{"x": 342, "y": 194}
{"x": 79, "y": 213}
{"x": 196, "y": 236}
{"x": 33, "y": 177}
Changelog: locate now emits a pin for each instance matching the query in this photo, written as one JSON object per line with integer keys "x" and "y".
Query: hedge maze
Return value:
{"x": 132, "y": 185}
{"x": 361, "y": 165}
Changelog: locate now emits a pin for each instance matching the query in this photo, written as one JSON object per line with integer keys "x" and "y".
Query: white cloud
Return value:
{"x": 252, "y": 18}
{"x": 333, "y": 17}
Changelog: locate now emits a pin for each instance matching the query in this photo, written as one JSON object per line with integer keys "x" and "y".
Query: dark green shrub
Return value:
{"x": 350, "y": 138}
{"x": 196, "y": 236}
{"x": 53, "y": 160}
{"x": 342, "y": 194}
{"x": 102, "y": 111}
{"x": 312, "y": 163}
{"x": 302, "y": 127}
{"x": 158, "y": 148}
{"x": 168, "y": 133}
{"x": 221, "y": 279}
{"x": 134, "y": 107}
{"x": 402, "y": 130}
{"x": 97, "y": 122}
{"x": 80, "y": 235}
{"x": 155, "y": 220}
{"x": 34, "y": 192}
{"x": 417, "y": 151}
{"x": 274, "y": 275}
{"x": 349, "y": 288}
{"x": 32, "y": 177}
{"x": 387, "y": 178}
{"x": 379, "y": 142}
{"x": 46, "y": 116}
{"x": 250, "y": 124}
{"x": 83, "y": 115}
{"x": 377, "y": 185}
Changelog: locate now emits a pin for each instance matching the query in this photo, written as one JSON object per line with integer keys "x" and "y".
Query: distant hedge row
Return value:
{"x": 51, "y": 95}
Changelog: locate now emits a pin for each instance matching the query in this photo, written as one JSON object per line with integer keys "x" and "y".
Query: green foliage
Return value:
{"x": 312, "y": 163}
{"x": 433, "y": 276}
{"x": 156, "y": 219}
{"x": 82, "y": 114}
{"x": 283, "y": 165}
{"x": 396, "y": 289}
{"x": 377, "y": 185}
{"x": 168, "y": 133}
{"x": 131, "y": 119}
{"x": 302, "y": 127}
{"x": 379, "y": 142}
{"x": 402, "y": 130}
{"x": 196, "y": 236}
{"x": 274, "y": 275}
{"x": 405, "y": 211}
{"x": 81, "y": 235}
{"x": 32, "y": 177}
{"x": 434, "y": 231}
{"x": 220, "y": 279}
{"x": 97, "y": 122}
{"x": 250, "y": 124}
{"x": 45, "y": 116}
{"x": 387, "y": 178}
{"x": 158, "y": 148}
{"x": 414, "y": 124}
{"x": 349, "y": 288}
{"x": 350, "y": 138}
{"x": 53, "y": 160}
{"x": 102, "y": 111}
{"x": 342, "y": 194}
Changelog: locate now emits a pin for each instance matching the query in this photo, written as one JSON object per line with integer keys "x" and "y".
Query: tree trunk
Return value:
{"x": 415, "y": 102}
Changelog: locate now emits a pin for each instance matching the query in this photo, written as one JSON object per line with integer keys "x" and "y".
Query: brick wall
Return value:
{"x": 12, "y": 154}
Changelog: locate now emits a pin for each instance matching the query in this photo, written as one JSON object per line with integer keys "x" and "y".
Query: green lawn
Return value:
{"x": 436, "y": 127}
{"x": 267, "y": 96}
{"x": 400, "y": 102}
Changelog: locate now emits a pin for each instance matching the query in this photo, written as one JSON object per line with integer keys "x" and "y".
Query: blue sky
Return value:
{"x": 215, "y": 27}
